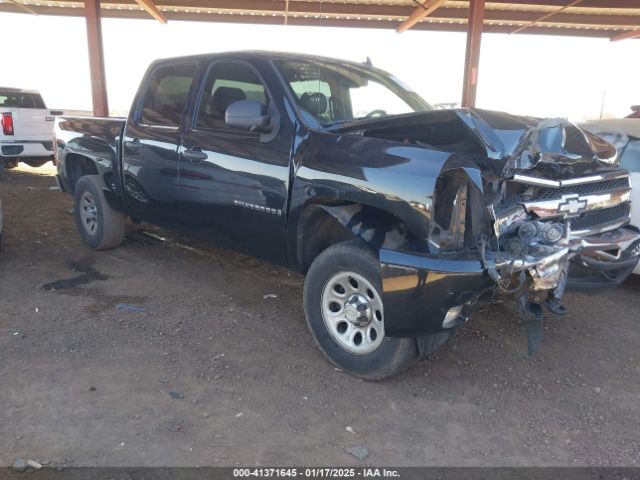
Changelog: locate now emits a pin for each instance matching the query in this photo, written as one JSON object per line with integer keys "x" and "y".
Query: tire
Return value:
{"x": 100, "y": 226}
{"x": 10, "y": 163}
{"x": 329, "y": 301}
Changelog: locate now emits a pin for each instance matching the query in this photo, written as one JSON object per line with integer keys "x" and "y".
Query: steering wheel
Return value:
{"x": 376, "y": 113}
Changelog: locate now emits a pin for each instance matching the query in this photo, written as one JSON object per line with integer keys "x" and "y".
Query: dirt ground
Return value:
{"x": 213, "y": 373}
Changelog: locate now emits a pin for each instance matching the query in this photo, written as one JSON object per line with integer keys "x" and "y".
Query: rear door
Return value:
{"x": 31, "y": 119}
{"x": 233, "y": 182}
{"x": 150, "y": 143}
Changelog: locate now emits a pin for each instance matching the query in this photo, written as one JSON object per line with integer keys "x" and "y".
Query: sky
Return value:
{"x": 537, "y": 75}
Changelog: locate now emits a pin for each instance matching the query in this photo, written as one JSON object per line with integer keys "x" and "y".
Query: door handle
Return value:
{"x": 194, "y": 155}
{"x": 134, "y": 145}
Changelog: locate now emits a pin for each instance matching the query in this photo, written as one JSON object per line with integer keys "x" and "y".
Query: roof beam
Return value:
{"x": 424, "y": 10}
{"x": 626, "y": 35}
{"x": 23, "y": 7}
{"x": 587, "y": 3}
{"x": 316, "y": 6}
{"x": 312, "y": 21}
{"x": 152, "y": 10}
{"x": 546, "y": 16}
{"x": 398, "y": 13}
{"x": 401, "y": 12}
{"x": 365, "y": 10}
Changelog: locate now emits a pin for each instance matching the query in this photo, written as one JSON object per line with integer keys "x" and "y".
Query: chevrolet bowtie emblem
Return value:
{"x": 572, "y": 206}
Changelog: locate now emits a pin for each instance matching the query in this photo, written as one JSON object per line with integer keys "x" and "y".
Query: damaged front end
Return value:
{"x": 546, "y": 224}
{"x": 552, "y": 213}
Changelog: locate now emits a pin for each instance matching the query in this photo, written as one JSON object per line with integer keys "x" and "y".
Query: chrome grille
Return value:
{"x": 544, "y": 201}
{"x": 601, "y": 218}
{"x": 584, "y": 189}
{"x": 579, "y": 189}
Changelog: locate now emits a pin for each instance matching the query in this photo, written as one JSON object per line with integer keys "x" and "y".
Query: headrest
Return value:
{"x": 225, "y": 96}
{"x": 314, "y": 102}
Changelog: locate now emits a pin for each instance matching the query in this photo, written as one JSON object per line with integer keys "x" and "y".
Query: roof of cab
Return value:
{"x": 263, "y": 54}
{"x": 22, "y": 90}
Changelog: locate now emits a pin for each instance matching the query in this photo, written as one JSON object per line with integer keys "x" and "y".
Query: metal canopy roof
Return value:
{"x": 598, "y": 18}
{"x": 615, "y": 19}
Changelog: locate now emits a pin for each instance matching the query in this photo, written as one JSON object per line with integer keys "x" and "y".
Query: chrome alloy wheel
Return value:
{"x": 352, "y": 312}
{"x": 88, "y": 213}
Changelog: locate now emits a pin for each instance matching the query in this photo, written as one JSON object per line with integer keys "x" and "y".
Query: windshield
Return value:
{"x": 331, "y": 92}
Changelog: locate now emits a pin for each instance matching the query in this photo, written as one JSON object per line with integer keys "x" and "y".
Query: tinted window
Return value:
{"x": 20, "y": 99}
{"x": 166, "y": 95}
{"x": 226, "y": 83}
{"x": 310, "y": 94}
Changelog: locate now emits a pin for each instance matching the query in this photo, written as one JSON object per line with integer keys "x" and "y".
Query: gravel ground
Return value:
{"x": 213, "y": 373}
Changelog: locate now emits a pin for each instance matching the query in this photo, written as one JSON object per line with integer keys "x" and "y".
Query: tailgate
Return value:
{"x": 32, "y": 124}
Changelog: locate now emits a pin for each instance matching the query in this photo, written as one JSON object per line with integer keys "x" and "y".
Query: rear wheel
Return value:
{"x": 8, "y": 163}
{"x": 100, "y": 226}
{"x": 345, "y": 312}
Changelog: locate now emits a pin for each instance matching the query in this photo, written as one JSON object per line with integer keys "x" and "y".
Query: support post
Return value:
{"x": 96, "y": 58}
{"x": 625, "y": 35}
{"x": 472, "y": 56}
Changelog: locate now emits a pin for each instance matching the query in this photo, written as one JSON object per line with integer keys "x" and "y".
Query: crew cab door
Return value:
{"x": 233, "y": 182}
{"x": 150, "y": 143}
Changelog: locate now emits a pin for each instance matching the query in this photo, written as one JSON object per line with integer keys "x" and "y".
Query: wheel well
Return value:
{"x": 78, "y": 166}
{"x": 322, "y": 226}
{"x": 457, "y": 221}
{"x": 317, "y": 231}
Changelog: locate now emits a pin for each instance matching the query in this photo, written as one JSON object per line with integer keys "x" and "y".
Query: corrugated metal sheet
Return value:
{"x": 588, "y": 17}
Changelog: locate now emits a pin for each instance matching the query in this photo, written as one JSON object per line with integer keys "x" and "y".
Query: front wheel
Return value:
{"x": 100, "y": 226}
{"x": 345, "y": 312}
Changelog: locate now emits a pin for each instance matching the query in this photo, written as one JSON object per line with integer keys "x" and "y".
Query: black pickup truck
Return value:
{"x": 404, "y": 218}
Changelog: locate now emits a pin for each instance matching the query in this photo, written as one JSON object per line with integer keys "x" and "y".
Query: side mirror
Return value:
{"x": 248, "y": 115}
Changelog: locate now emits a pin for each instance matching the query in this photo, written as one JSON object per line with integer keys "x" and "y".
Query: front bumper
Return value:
{"x": 422, "y": 292}
{"x": 606, "y": 261}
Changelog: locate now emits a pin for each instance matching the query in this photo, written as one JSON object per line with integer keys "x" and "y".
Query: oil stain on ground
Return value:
{"x": 86, "y": 275}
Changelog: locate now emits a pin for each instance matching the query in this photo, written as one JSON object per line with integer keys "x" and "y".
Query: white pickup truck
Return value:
{"x": 26, "y": 133}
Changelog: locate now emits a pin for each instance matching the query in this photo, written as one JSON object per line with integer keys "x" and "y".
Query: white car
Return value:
{"x": 26, "y": 132}
{"x": 624, "y": 133}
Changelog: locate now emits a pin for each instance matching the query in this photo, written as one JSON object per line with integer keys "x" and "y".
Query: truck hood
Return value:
{"x": 505, "y": 144}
